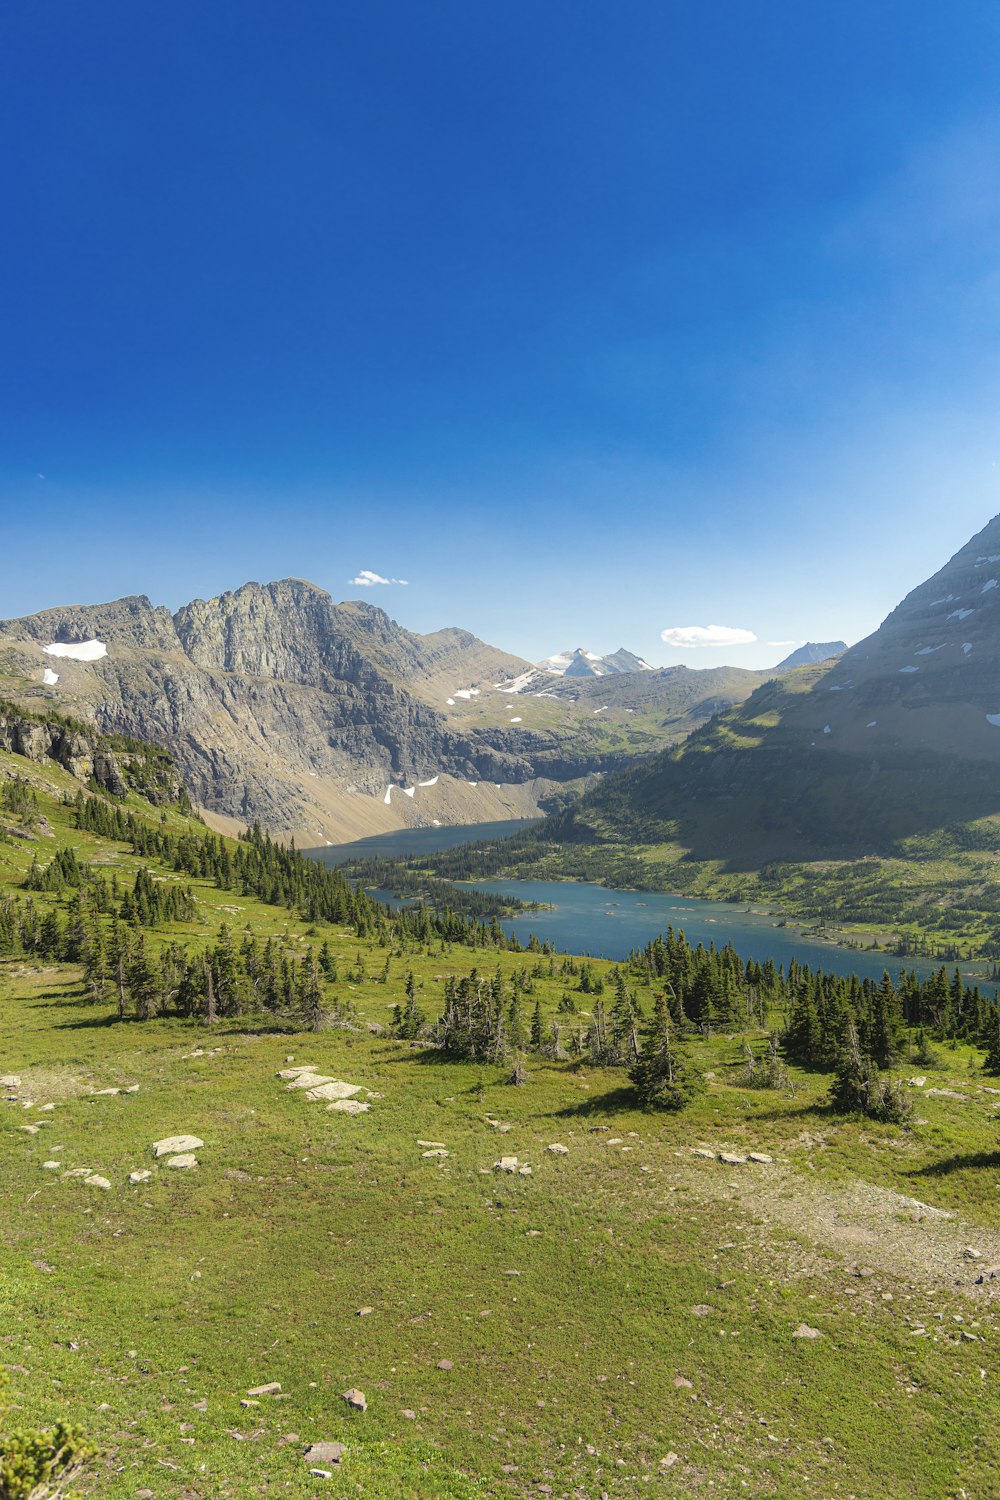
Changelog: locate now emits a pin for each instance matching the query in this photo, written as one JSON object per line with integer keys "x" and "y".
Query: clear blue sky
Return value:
{"x": 589, "y": 320}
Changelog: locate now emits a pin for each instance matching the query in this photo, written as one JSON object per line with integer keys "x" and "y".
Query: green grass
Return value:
{"x": 145, "y": 1313}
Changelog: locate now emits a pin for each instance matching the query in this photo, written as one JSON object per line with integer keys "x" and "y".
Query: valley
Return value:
{"x": 861, "y": 794}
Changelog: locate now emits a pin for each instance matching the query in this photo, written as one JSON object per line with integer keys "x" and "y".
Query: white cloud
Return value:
{"x": 786, "y": 643}
{"x": 689, "y": 637}
{"x": 367, "y": 579}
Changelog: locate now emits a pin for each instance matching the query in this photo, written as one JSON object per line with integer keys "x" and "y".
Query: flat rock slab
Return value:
{"x": 949, "y": 1094}
{"x": 805, "y": 1332}
{"x": 270, "y": 1389}
{"x": 558, "y": 1149}
{"x": 309, "y": 1081}
{"x": 438, "y": 1145}
{"x": 104, "y": 1093}
{"x": 185, "y": 1160}
{"x": 356, "y": 1399}
{"x": 335, "y": 1089}
{"x": 172, "y": 1144}
{"x": 731, "y": 1159}
{"x": 703, "y": 1151}
{"x": 438, "y": 1151}
{"x": 96, "y": 1180}
{"x": 294, "y": 1072}
{"x": 10, "y": 1081}
{"x": 349, "y": 1106}
{"x": 506, "y": 1164}
{"x": 52, "y": 1166}
{"x": 761, "y": 1156}
{"x": 325, "y": 1453}
{"x": 143, "y": 1174}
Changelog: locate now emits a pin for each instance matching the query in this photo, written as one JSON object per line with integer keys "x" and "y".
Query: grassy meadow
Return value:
{"x": 620, "y": 1322}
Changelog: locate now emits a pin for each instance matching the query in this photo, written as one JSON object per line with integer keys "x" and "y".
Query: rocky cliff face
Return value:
{"x": 279, "y": 704}
{"x": 116, "y": 769}
{"x": 330, "y": 721}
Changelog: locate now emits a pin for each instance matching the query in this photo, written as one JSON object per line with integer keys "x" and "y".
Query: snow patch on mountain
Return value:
{"x": 77, "y": 650}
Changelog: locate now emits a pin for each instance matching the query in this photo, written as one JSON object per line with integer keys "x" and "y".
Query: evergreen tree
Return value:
{"x": 407, "y": 1020}
{"x": 662, "y": 1075}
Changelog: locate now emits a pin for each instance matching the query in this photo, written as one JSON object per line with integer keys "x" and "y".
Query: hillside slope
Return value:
{"x": 866, "y": 790}
{"x": 311, "y": 1250}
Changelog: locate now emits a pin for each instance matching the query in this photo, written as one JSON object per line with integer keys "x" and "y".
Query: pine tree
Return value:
{"x": 407, "y": 1020}
{"x": 991, "y": 1062}
{"x": 536, "y": 1028}
{"x": 312, "y": 994}
{"x": 662, "y": 1075}
{"x": 142, "y": 982}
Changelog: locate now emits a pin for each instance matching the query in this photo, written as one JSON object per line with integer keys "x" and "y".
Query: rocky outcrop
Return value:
{"x": 90, "y": 758}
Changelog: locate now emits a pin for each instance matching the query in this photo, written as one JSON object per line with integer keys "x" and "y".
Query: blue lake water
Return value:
{"x": 605, "y": 923}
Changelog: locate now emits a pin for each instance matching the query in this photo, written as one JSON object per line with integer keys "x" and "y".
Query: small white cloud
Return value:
{"x": 366, "y": 579}
{"x": 690, "y": 637}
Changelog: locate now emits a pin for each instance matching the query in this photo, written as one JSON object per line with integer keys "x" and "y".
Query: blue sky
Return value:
{"x": 589, "y": 321}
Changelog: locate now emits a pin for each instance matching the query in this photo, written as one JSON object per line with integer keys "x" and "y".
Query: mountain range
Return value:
{"x": 329, "y": 721}
{"x": 897, "y": 737}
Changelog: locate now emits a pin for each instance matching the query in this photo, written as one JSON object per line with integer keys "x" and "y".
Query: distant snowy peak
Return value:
{"x": 581, "y": 663}
{"x": 578, "y": 663}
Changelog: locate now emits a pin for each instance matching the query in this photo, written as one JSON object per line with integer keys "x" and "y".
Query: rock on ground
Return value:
{"x": 142, "y": 1175}
{"x": 356, "y": 1399}
{"x": 349, "y": 1106}
{"x": 96, "y": 1180}
{"x": 335, "y": 1089}
{"x": 172, "y": 1144}
{"x": 186, "y": 1159}
{"x": 805, "y": 1332}
{"x": 558, "y": 1149}
{"x": 325, "y": 1453}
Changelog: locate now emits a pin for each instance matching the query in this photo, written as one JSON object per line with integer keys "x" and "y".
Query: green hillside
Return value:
{"x": 627, "y": 1318}
{"x": 862, "y": 795}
